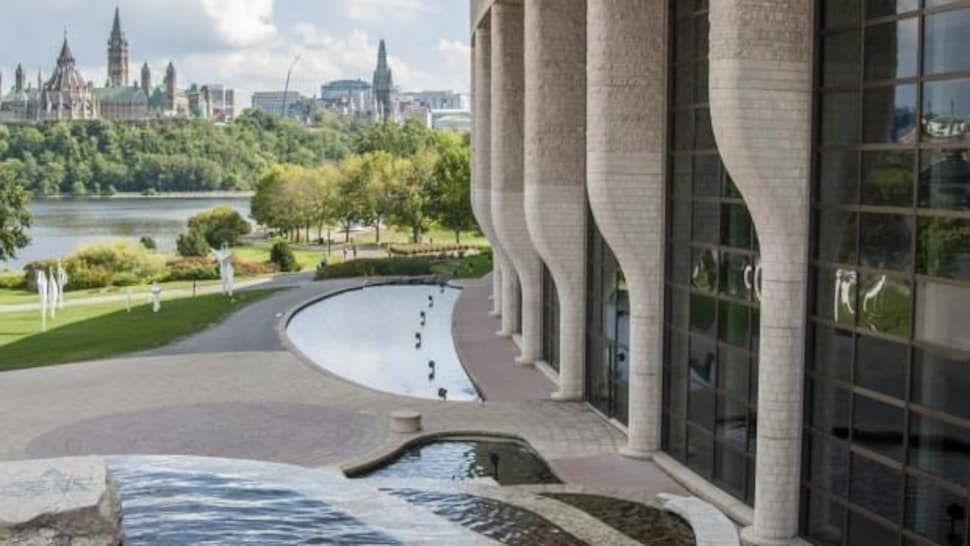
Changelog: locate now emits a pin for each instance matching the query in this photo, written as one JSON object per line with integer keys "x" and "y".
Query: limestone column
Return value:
{"x": 555, "y": 167}
{"x": 626, "y": 115}
{"x": 481, "y": 190}
{"x": 508, "y": 200}
{"x": 760, "y": 93}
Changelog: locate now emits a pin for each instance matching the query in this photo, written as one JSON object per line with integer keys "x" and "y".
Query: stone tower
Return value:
{"x": 117, "y": 55}
{"x": 170, "y": 84}
{"x": 19, "y": 80}
{"x": 383, "y": 85}
{"x": 146, "y": 79}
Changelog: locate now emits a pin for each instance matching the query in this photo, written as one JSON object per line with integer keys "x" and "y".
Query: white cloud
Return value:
{"x": 242, "y": 22}
{"x": 375, "y": 10}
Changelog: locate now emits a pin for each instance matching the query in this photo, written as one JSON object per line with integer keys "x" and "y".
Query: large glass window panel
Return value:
{"x": 946, "y": 42}
{"x": 704, "y": 269}
{"x": 836, "y": 293}
{"x": 946, "y": 111}
{"x": 864, "y": 531}
{"x": 703, "y": 315}
{"x": 705, "y": 131}
{"x": 680, "y": 225}
{"x": 934, "y": 512}
{"x": 840, "y": 118}
{"x": 837, "y": 236}
{"x": 683, "y": 175}
{"x": 942, "y": 381}
{"x": 942, "y": 314}
{"x": 675, "y": 436}
{"x": 838, "y": 13}
{"x": 944, "y": 247}
{"x": 676, "y": 400}
{"x": 706, "y": 222}
{"x": 679, "y": 302}
{"x": 737, "y": 275}
{"x": 944, "y": 179}
{"x": 887, "y": 178}
{"x": 881, "y": 366}
{"x": 833, "y": 353}
{"x": 830, "y": 409}
{"x": 878, "y": 426}
{"x": 732, "y": 422}
{"x": 883, "y": 8}
{"x": 889, "y": 114}
{"x": 683, "y": 129}
{"x": 891, "y": 50}
{"x": 707, "y": 175}
{"x": 684, "y": 84}
{"x": 825, "y": 520}
{"x": 886, "y": 241}
{"x": 885, "y": 305}
{"x": 940, "y": 448}
{"x": 733, "y": 323}
{"x": 733, "y": 372}
{"x": 736, "y": 231}
{"x": 680, "y": 262}
{"x": 700, "y": 451}
{"x": 876, "y": 487}
{"x": 838, "y": 179}
{"x": 730, "y": 469}
{"x": 843, "y": 53}
{"x": 829, "y": 465}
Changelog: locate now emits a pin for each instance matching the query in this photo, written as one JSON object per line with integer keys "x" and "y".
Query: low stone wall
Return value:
{"x": 69, "y": 502}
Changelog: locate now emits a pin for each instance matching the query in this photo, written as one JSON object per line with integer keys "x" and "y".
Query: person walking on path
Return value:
{"x": 354, "y": 249}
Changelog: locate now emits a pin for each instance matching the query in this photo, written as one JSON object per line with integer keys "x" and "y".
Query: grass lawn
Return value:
{"x": 308, "y": 258}
{"x": 392, "y": 235}
{"x": 90, "y": 332}
{"x": 13, "y": 297}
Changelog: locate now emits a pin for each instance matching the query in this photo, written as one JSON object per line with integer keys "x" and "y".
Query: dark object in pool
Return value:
{"x": 423, "y": 315}
{"x": 430, "y": 301}
{"x": 431, "y": 364}
{"x": 493, "y": 458}
{"x": 443, "y": 393}
{"x": 431, "y": 376}
{"x": 638, "y": 521}
{"x": 418, "y": 344}
{"x": 496, "y": 520}
{"x": 417, "y": 336}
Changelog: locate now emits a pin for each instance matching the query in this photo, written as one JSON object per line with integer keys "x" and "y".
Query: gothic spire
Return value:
{"x": 116, "y": 27}
{"x": 382, "y": 56}
{"x": 66, "y": 55}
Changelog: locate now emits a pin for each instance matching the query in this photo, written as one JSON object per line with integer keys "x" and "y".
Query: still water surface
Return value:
{"x": 60, "y": 226}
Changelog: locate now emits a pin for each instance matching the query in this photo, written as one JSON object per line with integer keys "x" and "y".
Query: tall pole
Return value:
{"x": 286, "y": 88}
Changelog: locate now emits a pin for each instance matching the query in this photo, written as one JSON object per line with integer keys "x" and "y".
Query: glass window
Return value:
{"x": 882, "y": 8}
{"x": 878, "y": 426}
{"x": 700, "y": 451}
{"x": 733, "y": 372}
{"x": 944, "y": 247}
{"x": 737, "y": 275}
{"x": 684, "y": 85}
{"x": 841, "y": 12}
{"x": 679, "y": 302}
{"x": 940, "y": 449}
{"x": 944, "y": 179}
{"x": 864, "y": 531}
{"x": 838, "y": 180}
{"x": 877, "y": 488}
{"x": 885, "y": 305}
{"x": 942, "y": 314}
{"x": 887, "y": 178}
{"x": 946, "y": 41}
{"x": 837, "y": 236}
{"x": 935, "y": 513}
{"x": 842, "y": 52}
{"x": 706, "y": 222}
{"x": 942, "y": 381}
{"x": 707, "y": 175}
{"x": 830, "y": 409}
{"x": 825, "y": 520}
{"x": 889, "y": 114}
{"x": 703, "y": 315}
{"x": 886, "y": 241}
{"x": 704, "y": 267}
{"x": 946, "y": 111}
{"x": 680, "y": 260}
{"x": 836, "y": 295}
{"x": 840, "y": 118}
{"x": 881, "y": 366}
{"x": 736, "y": 231}
{"x": 733, "y": 323}
{"x": 680, "y": 226}
{"x": 829, "y": 465}
{"x": 730, "y": 469}
{"x": 833, "y": 353}
{"x": 891, "y": 50}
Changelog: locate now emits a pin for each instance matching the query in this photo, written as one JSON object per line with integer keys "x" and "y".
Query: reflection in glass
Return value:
{"x": 886, "y": 241}
{"x": 842, "y": 54}
{"x": 830, "y": 409}
{"x": 884, "y": 305}
{"x": 833, "y": 353}
{"x": 826, "y": 520}
{"x": 829, "y": 465}
{"x": 878, "y": 426}
{"x": 891, "y": 50}
{"x": 838, "y": 177}
{"x": 946, "y": 110}
{"x": 706, "y": 222}
{"x": 887, "y": 178}
{"x": 944, "y": 247}
{"x": 932, "y": 512}
{"x": 889, "y": 114}
{"x": 940, "y": 449}
{"x": 882, "y": 8}
{"x": 944, "y": 179}
{"x": 881, "y": 366}
{"x": 700, "y": 451}
{"x": 704, "y": 269}
{"x": 837, "y": 236}
{"x": 941, "y": 381}
{"x": 736, "y": 231}
{"x": 942, "y": 314}
{"x": 840, "y": 118}
{"x": 736, "y": 275}
{"x": 946, "y": 40}
{"x": 841, "y": 12}
{"x": 876, "y": 487}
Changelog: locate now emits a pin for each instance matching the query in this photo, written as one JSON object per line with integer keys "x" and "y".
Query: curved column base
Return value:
{"x": 567, "y": 396}
{"x": 637, "y": 454}
{"x": 749, "y": 537}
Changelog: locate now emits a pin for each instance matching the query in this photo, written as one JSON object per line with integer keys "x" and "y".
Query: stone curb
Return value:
{"x": 710, "y": 526}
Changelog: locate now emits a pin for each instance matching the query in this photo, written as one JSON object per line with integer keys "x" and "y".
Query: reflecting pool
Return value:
{"x": 386, "y": 337}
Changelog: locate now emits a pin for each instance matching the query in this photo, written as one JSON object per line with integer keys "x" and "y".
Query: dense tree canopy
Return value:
{"x": 14, "y": 216}
{"x": 101, "y": 157}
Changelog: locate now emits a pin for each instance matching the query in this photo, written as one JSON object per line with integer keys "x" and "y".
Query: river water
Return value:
{"x": 60, "y": 226}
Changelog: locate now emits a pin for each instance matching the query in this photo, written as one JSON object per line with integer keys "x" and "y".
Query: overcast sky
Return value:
{"x": 247, "y": 44}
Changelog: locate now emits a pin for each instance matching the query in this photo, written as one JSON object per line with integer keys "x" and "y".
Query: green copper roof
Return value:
{"x": 120, "y": 94}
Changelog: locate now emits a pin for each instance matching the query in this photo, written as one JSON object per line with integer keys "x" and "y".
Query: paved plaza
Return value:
{"x": 236, "y": 391}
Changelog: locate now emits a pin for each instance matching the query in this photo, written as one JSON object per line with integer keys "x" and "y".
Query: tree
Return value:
{"x": 412, "y": 194}
{"x": 352, "y": 202}
{"x": 192, "y": 243}
{"x": 282, "y": 255}
{"x": 451, "y": 205}
{"x": 14, "y": 215}
{"x": 220, "y": 225}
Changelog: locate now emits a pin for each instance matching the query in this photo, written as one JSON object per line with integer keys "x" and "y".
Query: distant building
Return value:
{"x": 357, "y": 91}
{"x": 296, "y": 105}
{"x": 383, "y": 86}
{"x": 417, "y": 112}
{"x": 222, "y": 101}
{"x": 435, "y": 100}
{"x": 454, "y": 120}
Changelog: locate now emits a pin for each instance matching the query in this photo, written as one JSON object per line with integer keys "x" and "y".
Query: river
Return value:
{"x": 61, "y": 225}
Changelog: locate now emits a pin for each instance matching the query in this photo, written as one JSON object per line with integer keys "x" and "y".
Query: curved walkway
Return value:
{"x": 234, "y": 391}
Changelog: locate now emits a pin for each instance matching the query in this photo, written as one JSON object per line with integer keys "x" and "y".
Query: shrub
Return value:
{"x": 248, "y": 268}
{"x": 192, "y": 269}
{"x": 377, "y": 267}
{"x": 192, "y": 243}
{"x": 221, "y": 225}
{"x": 148, "y": 243}
{"x": 117, "y": 257}
{"x": 412, "y": 249}
{"x": 89, "y": 277}
{"x": 13, "y": 281}
{"x": 282, "y": 255}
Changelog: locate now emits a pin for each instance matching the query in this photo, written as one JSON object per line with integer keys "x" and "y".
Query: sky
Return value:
{"x": 247, "y": 44}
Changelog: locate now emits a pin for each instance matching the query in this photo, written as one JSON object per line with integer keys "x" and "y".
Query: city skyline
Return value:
{"x": 249, "y": 48}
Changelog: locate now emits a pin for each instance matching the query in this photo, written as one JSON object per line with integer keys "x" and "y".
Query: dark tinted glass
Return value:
{"x": 829, "y": 465}
{"x": 684, "y": 84}
{"x": 737, "y": 275}
{"x": 842, "y": 54}
{"x": 733, "y": 323}
{"x": 885, "y": 304}
{"x": 830, "y": 409}
{"x": 838, "y": 177}
{"x": 733, "y": 372}
{"x": 876, "y": 487}
{"x": 704, "y": 131}
{"x": 679, "y": 263}
{"x": 886, "y": 241}
{"x": 840, "y": 118}
{"x": 706, "y": 222}
{"x": 700, "y": 451}
{"x": 878, "y": 426}
{"x": 940, "y": 449}
{"x": 707, "y": 175}
{"x": 825, "y": 520}
{"x": 942, "y": 314}
{"x": 840, "y": 12}
{"x": 679, "y": 302}
{"x": 946, "y": 42}
{"x": 835, "y": 295}
{"x": 944, "y": 247}
{"x": 887, "y": 178}
{"x": 866, "y": 532}
{"x": 881, "y": 8}
{"x": 680, "y": 225}
{"x": 944, "y": 179}
{"x": 931, "y": 510}
{"x": 704, "y": 266}
{"x": 683, "y": 167}
{"x": 736, "y": 231}
{"x": 683, "y": 130}
{"x": 833, "y": 353}
{"x": 881, "y": 366}
{"x": 891, "y": 50}
{"x": 889, "y": 114}
{"x": 837, "y": 236}
{"x": 942, "y": 382}
{"x": 730, "y": 469}
{"x": 946, "y": 110}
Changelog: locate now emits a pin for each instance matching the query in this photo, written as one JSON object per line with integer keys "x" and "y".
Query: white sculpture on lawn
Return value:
{"x": 227, "y": 273}
{"x": 156, "y": 297}
{"x": 42, "y": 292}
{"x": 62, "y": 280}
{"x": 52, "y": 293}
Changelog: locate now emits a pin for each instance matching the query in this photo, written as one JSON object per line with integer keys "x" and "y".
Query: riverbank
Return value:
{"x": 218, "y": 194}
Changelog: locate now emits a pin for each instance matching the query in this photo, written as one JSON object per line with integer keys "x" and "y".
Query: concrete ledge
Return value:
{"x": 59, "y": 501}
{"x": 405, "y": 421}
{"x": 711, "y": 527}
{"x": 736, "y": 510}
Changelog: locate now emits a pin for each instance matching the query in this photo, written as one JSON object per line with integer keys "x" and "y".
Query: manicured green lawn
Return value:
{"x": 14, "y": 297}
{"x": 259, "y": 252}
{"x": 391, "y": 235}
{"x": 89, "y": 332}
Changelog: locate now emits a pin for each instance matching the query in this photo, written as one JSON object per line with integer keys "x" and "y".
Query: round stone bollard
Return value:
{"x": 405, "y": 421}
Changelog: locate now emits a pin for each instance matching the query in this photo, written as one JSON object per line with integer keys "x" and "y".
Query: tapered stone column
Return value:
{"x": 626, "y": 53}
{"x": 555, "y": 167}
{"x": 481, "y": 189}
{"x": 760, "y": 93}
{"x": 508, "y": 200}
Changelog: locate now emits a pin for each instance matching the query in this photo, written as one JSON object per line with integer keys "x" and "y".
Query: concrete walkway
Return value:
{"x": 234, "y": 391}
